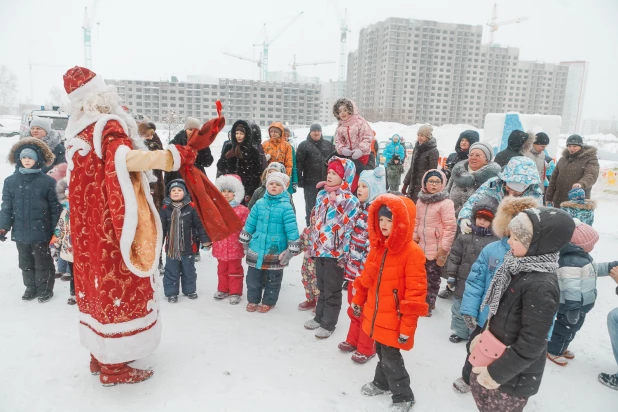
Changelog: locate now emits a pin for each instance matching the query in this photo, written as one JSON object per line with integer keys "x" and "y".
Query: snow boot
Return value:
{"x": 345, "y": 347}
{"x": 370, "y": 389}
{"x": 311, "y": 324}
{"x": 71, "y": 300}
{"x": 456, "y": 338}
{"x": 461, "y": 386}
{"x": 172, "y": 299}
{"x": 307, "y": 305}
{"x": 611, "y": 381}
{"x": 360, "y": 358}
{"x": 402, "y": 406}
{"x": 445, "y": 293}
{"x": 66, "y": 277}
{"x": 234, "y": 299}
{"x": 252, "y": 307}
{"x": 345, "y": 285}
{"x": 322, "y": 333}
{"x": 45, "y": 297}
{"x": 557, "y": 359}
{"x": 95, "y": 366}
{"x": 429, "y": 314}
{"x": 29, "y": 294}
{"x": 567, "y": 354}
{"x": 221, "y": 295}
{"x": 192, "y": 296}
{"x": 121, "y": 373}
{"x": 57, "y": 275}
{"x": 264, "y": 308}
{"x": 197, "y": 257}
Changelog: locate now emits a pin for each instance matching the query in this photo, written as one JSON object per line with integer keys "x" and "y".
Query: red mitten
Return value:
{"x": 187, "y": 155}
{"x": 207, "y": 133}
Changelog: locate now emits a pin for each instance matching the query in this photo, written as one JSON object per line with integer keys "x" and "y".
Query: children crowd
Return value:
{"x": 519, "y": 273}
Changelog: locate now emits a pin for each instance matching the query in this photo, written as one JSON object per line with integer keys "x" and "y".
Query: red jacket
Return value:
{"x": 393, "y": 286}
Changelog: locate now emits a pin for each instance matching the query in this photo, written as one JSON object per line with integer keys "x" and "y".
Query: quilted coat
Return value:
{"x": 354, "y": 133}
{"x": 393, "y": 286}
{"x": 279, "y": 150}
{"x": 230, "y": 248}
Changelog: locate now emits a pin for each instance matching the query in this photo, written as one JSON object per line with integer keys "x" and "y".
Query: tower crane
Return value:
{"x": 87, "y": 27}
{"x": 267, "y": 43}
{"x": 258, "y": 62}
{"x": 294, "y": 65}
{"x": 494, "y": 24}
{"x": 342, "y": 53}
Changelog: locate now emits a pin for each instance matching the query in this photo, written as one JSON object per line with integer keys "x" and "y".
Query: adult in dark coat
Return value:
{"x": 227, "y": 145}
{"x": 424, "y": 158}
{"x": 577, "y": 168}
{"x": 256, "y": 135}
{"x": 204, "y": 156}
{"x": 40, "y": 128}
{"x": 519, "y": 144}
{"x": 147, "y": 130}
{"x": 528, "y": 294}
{"x": 311, "y": 165}
{"x": 466, "y": 139}
{"x": 242, "y": 159}
{"x": 30, "y": 210}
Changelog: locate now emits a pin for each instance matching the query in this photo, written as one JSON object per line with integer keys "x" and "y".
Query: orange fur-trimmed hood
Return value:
{"x": 404, "y": 212}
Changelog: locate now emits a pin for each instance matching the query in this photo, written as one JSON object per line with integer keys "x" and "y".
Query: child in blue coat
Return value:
{"x": 271, "y": 239}
{"x": 579, "y": 207}
{"x": 481, "y": 274}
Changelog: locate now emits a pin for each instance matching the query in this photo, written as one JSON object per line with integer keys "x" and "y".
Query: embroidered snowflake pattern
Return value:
{"x": 117, "y": 302}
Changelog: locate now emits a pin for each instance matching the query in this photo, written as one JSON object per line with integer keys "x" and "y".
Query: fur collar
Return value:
{"x": 462, "y": 176}
{"x": 586, "y": 151}
{"x": 428, "y": 145}
{"x": 432, "y": 198}
{"x": 507, "y": 210}
{"x": 589, "y": 205}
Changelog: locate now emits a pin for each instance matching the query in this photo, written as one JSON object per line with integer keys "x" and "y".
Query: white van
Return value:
{"x": 59, "y": 120}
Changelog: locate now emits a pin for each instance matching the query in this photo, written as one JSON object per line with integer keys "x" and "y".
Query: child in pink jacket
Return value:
{"x": 435, "y": 229}
{"x": 229, "y": 251}
{"x": 353, "y": 135}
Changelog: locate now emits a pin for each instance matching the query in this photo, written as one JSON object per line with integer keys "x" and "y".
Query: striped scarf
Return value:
{"x": 512, "y": 266}
{"x": 175, "y": 239}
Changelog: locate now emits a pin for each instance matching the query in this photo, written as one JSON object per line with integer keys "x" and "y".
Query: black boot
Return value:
{"x": 29, "y": 294}
{"x": 45, "y": 297}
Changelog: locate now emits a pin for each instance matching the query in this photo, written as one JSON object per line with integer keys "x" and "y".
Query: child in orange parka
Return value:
{"x": 391, "y": 294}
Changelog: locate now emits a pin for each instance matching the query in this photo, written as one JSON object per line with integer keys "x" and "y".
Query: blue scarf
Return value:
{"x": 25, "y": 171}
{"x": 234, "y": 203}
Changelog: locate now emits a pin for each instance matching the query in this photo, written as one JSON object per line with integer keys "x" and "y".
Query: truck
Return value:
{"x": 59, "y": 119}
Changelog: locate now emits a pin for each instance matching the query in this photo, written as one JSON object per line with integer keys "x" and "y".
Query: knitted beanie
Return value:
{"x": 485, "y": 148}
{"x": 29, "y": 153}
{"x": 385, "y": 211}
{"x": 192, "y": 123}
{"x": 178, "y": 183}
{"x": 315, "y": 127}
{"x": 485, "y": 214}
{"x": 432, "y": 173}
{"x": 276, "y": 166}
{"x": 336, "y": 167}
{"x": 375, "y": 181}
{"x": 278, "y": 177}
{"x": 584, "y": 236}
{"x": 575, "y": 140}
{"x": 425, "y": 130}
{"x": 577, "y": 195}
{"x": 521, "y": 227}
{"x": 42, "y": 122}
{"x": 541, "y": 138}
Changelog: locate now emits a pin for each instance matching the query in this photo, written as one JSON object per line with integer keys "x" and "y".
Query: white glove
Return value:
{"x": 484, "y": 379}
{"x": 346, "y": 152}
{"x": 284, "y": 257}
{"x": 267, "y": 157}
{"x": 465, "y": 226}
{"x": 356, "y": 153}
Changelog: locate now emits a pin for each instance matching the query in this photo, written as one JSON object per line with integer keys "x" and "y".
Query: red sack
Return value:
{"x": 218, "y": 217}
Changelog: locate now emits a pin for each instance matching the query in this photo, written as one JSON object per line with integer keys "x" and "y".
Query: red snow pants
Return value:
{"x": 231, "y": 276}
{"x": 356, "y": 337}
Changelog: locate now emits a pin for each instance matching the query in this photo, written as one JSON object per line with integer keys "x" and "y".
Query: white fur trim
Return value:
{"x": 123, "y": 349}
{"x": 97, "y": 135}
{"x": 123, "y": 327}
{"x": 129, "y": 225}
{"x": 239, "y": 189}
{"x": 95, "y": 85}
{"x": 75, "y": 145}
{"x": 177, "y": 161}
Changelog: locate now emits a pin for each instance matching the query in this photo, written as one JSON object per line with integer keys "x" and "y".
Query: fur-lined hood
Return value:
{"x": 44, "y": 152}
{"x": 404, "y": 218}
{"x": 516, "y": 143}
{"x": 348, "y": 103}
{"x": 585, "y": 152}
{"x": 233, "y": 183}
{"x": 589, "y": 205}
{"x": 507, "y": 210}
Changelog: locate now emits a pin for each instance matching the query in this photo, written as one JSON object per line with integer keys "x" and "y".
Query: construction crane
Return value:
{"x": 494, "y": 24}
{"x": 258, "y": 62}
{"x": 294, "y": 65}
{"x": 343, "y": 43}
{"x": 87, "y": 27}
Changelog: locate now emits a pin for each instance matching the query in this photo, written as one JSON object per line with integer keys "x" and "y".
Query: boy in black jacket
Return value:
{"x": 30, "y": 209}
{"x": 181, "y": 223}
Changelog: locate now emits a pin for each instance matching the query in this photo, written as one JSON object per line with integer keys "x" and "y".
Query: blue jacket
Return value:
{"x": 519, "y": 170}
{"x": 481, "y": 274}
{"x": 270, "y": 229}
{"x": 394, "y": 149}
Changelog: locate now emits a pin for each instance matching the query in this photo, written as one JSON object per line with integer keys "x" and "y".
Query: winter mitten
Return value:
{"x": 357, "y": 153}
{"x": 441, "y": 258}
{"x": 403, "y": 339}
{"x": 465, "y": 226}
{"x": 295, "y": 247}
{"x": 572, "y": 316}
{"x": 474, "y": 342}
{"x": 245, "y": 246}
{"x": 356, "y": 309}
{"x": 470, "y": 322}
{"x": 451, "y": 281}
{"x": 267, "y": 156}
{"x": 244, "y": 237}
{"x": 346, "y": 152}
{"x": 484, "y": 379}
{"x": 404, "y": 189}
{"x": 284, "y": 257}
{"x": 2, "y": 235}
{"x": 230, "y": 153}
{"x": 187, "y": 155}
{"x": 238, "y": 153}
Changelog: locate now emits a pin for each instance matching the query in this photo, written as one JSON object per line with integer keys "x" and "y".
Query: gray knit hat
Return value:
{"x": 42, "y": 122}
{"x": 485, "y": 148}
{"x": 192, "y": 123}
{"x": 315, "y": 127}
{"x": 521, "y": 227}
{"x": 425, "y": 130}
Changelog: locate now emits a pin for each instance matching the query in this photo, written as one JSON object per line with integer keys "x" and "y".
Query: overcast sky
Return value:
{"x": 152, "y": 40}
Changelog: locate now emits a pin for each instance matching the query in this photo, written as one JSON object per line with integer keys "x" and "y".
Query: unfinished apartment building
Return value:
{"x": 417, "y": 71}
{"x": 263, "y": 102}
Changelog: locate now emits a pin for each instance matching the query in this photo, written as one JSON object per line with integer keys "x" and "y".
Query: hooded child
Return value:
{"x": 579, "y": 207}
{"x": 394, "y": 171}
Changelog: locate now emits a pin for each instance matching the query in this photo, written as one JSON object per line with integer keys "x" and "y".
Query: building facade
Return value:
{"x": 329, "y": 93}
{"x": 263, "y": 102}
{"x": 574, "y": 96}
{"x": 417, "y": 71}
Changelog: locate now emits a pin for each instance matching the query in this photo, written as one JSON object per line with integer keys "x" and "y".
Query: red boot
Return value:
{"x": 95, "y": 366}
{"x": 113, "y": 374}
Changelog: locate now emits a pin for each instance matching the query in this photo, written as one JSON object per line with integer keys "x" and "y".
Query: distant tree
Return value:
{"x": 172, "y": 120}
{"x": 8, "y": 86}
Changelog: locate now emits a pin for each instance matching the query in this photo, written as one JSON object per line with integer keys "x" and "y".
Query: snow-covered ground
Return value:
{"x": 218, "y": 357}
